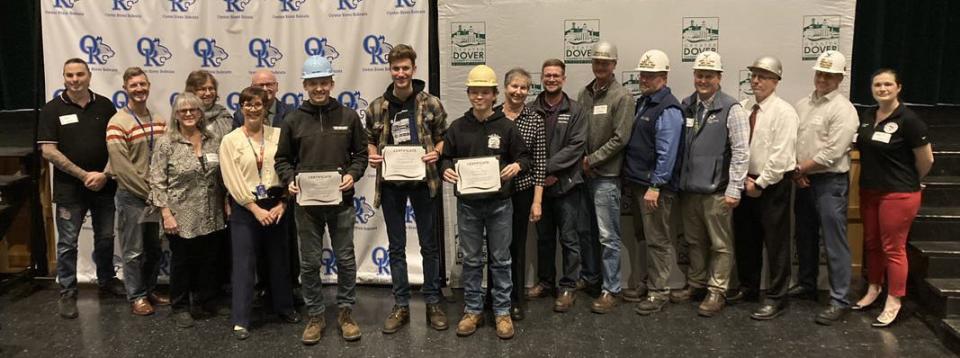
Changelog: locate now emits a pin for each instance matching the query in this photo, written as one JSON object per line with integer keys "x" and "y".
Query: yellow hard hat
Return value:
{"x": 481, "y": 76}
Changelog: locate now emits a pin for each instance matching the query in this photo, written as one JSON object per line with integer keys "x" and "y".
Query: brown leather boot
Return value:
{"x": 158, "y": 299}
{"x": 605, "y": 303}
{"x": 565, "y": 301}
{"x": 504, "y": 327}
{"x": 349, "y": 328}
{"x": 711, "y": 305}
{"x": 314, "y": 330}
{"x": 540, "y": 290}
{"x": 399, "y": 316}
{"x": 436, "y": 317}
{"x": 468, "y": 324}
{"x": 141, "y": 307}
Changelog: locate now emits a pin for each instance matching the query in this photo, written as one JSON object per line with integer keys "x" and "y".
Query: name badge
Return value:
{"x": 340, "y": 128}
{"x": 563, "y": 119}
{"x": 602, "y": 109}
{"x": 881, "y": 137}
{"x": 689, "y": 123}
{"x": 68, "y": 119}
{"x": 400, "y": 128}
{"x": 211, "y": 158}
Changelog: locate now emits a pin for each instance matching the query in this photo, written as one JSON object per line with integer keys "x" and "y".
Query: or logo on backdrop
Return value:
{"x": 329, "y": 262}
{"x": 320, "y": 46}
{"x": 821, "y": 33}
{"x": 631, "y": 81}
{"x": 65, "y": 4}
{"x": 536, "y": 86}
{"x": 291, "y": 5}
{"x": 468, "y": 43}
{"x": 124, "y": 5}
{"x": 233, "y": 101}
{"x": 209, "y": 53}
{"x": 98, "y": 52}
{"x": 381, "y": 258}
{"x": 364, "y": 211}
{"x": 173, "y": 97}
{"x": 406, "y": 3}
{"x": 120, "y": 99}
{"x": 236, "y": 5}
{"x": 408, "y": 215}
{"x": 354, "y": 101}
{"x": 264, "y": 52}
{"x": 292, "y": 98}
{"x": 154, "y": 53}
{"x": 348, "y": 4}
{"x": 578, "y": 39}
{"x": 165, "y": 263}
{"x": 743, "y": 85}
{"x": 405, "y": 7}
{"x": 181, "y": 5}
{"x": 699, "y": 34}
{"x": 377, "y": 47}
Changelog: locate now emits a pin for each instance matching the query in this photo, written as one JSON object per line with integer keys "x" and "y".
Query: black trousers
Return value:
{"x": 518, "y": 247}
{"x": 764, "y": 222}
{"x": 193, "y": 280}
{"x": 253, "y": 243}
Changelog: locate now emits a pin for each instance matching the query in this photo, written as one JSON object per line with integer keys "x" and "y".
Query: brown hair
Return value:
{"x": 197, "y": 78}
{"x": 251, "y": 93}
{"x": 400, "y": 52}
{"x": 77, "y": 60}
{"x": 896, "y": 76}
{"x": 514, "y": 73}
{"x": 131, "y": 73}
{"x": 554, "y": 62}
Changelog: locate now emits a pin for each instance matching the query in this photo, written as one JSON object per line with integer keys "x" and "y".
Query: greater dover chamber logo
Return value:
{"x": 744, "y": 90}
{"x": 699, "y": 34}
{"x": 578, "y": 39}
{"x": 468, "y": 43}
{"x": 821, "y": 33}
{"x": 631, "y": 82}
{"x": 536, "y": 85}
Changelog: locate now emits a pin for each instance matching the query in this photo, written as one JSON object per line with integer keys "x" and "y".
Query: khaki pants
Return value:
{"x": 660, "y": 235}
{"x": 708, "y": 230}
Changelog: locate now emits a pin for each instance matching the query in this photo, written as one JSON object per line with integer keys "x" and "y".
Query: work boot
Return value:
{"x": 504, "y": 327}
{"x": 651, "y": 305}
{"x": 436, "y": 317}
{"x": 158, "y": 299}
{"x": 565, "y": 301}
{"x": 67, "y": 305}
{"x": 141, "y": 307}
{"x": 314, "y": 330}
{"x": 712, "y": 304}
{"x": 605, "y": 303}
{"x": 399, "y": 316}
{"x": 468, "y": 324}
{"x": 348, "y": 327}
{"x": 633, "y": 294}
{"x": 540, "y": 290}
{"x": 687, "y": 293}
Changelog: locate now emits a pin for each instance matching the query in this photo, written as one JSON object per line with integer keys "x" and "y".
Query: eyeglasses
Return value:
{"x": 253, "y": 106}
{"x": 189, "y": 110}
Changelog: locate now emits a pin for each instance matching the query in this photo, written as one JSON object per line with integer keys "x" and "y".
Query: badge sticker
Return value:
{"x": 890, "y": 127}
{"x": 68, "y": 119}
{"x": 211, "y": 157}
{"x": 493, "y": 141}
{"x": 881, "y": 137}
{"x": 689, "y": 123}
{"x": 601, "y": 109}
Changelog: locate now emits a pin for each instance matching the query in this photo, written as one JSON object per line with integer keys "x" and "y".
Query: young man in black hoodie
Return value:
{"x": 483, "y": 132}
{"x": 323, "y": 135}
{"x": 406, "y": 115}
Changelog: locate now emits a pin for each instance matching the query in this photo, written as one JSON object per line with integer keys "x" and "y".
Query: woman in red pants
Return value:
{"x": 894, "y": 155}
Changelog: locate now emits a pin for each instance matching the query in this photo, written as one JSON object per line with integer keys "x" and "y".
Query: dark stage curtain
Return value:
{"x": 21, "y": 58}
{"x": 920, "y": 39}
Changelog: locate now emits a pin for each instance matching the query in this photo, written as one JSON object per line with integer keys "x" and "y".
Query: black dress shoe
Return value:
{"x": 831, "y": 315}
{"x": 768, "y": 311}
{"x": 516, "y": 313}
{"x": 803, "y": 292}
{"x": 292, "y": 317}
{"x": 241, "y": 334}
{"x": 742, "y": 294}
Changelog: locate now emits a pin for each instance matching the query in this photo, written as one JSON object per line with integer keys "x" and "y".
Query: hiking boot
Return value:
{"x": 468, "y": 324}
{"x": 436, "y": 317}
{"x": 349, "y": 328}
{"x": 314, "y": 330}
{"x": 399, "y": 316}
{"x": 504, "y": 327}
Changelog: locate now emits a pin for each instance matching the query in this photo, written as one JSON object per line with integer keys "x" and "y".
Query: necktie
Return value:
{"x": 753, "y": 119}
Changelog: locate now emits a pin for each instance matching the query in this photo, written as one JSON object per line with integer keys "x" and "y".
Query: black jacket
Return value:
{"x": 566, "y": 146}
{"x": 467, "y": 137}
{"x": 320, "y": 138}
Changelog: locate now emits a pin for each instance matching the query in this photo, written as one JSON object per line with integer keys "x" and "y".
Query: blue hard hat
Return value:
{"x": 317, "y": 66}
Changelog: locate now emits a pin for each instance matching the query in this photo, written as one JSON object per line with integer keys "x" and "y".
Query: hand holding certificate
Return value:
{"x": 319, "y": 188}
{"x": 478, "y": 175}
{"x": 404, "y": 163}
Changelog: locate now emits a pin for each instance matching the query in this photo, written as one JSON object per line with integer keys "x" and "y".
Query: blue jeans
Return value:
{"x": 495, "y": 216}
{"x": 69, "y": 219}
{"x": 561, "y": 219}
{"x": 821, "y": 211}
{"x": 394, "y": 202}
{"x": 311, "y": 221}
{"x": 140, "y": 244}
{"x": 606, "y": 200}
{"x": 588, "y": 230}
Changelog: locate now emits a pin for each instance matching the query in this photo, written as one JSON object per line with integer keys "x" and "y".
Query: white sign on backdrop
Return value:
{"x": 232, "y": 39}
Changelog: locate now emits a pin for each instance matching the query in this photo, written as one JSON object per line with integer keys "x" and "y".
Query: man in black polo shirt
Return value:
{"x": 72, "y": 136}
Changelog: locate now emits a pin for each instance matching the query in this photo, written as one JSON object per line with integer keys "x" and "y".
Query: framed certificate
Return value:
{"x": 319, "y": 188}
{"x": 480, "y": 175}
{"x": 404, "y": 163}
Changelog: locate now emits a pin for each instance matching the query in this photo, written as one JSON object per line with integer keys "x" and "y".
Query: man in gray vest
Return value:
{"x": 608, "y": 110}
{"x": 715, "y": 159}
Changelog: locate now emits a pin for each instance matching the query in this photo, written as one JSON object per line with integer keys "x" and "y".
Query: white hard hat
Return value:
{"x": 831, "y": 62}
{"x": 654, "y": 61}
{"x": 708, "y": 60}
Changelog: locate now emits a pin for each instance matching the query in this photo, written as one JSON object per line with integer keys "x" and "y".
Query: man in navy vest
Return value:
{"x": 715, "y": 157}
{"x": 650, "y": 169}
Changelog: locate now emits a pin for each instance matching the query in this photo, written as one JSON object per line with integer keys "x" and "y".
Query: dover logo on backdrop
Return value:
{"x": 820, "y": 34}
{"x": 536, "y": 86}
{"x": 154, "y": 53}
{"x": 320, "y": 46}
{"x": 236, "y": 5}
{"x": 98, "y": 52}
{"x": 743, "y": 86}
{"x": 468, "y": 43}
{"x": 631, "y": 81}
{"x": 181, "y": 5}
{"x": 209, "y": 53}
{"x": 124, "y": 5}
{"x": 364, "y": 211}
{"x": 264, "y": 52}
{"x": 377, "y": 47}
{"x": 700, "y": 34}
{"x": 578, "y": 39}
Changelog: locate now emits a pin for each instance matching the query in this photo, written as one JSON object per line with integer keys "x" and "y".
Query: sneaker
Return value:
{"x": 468, "y": 324}
{"x": 314, "y": 330}
{"x": 399, "y": 316}
{"x": 651, "y": 305}
{"x": 436, "y": 317}
{"x": 183, "y": 319}
{"x": 349, "y": 329}
{"x": 504, "y": 327}
{"x": 711, "y": 305}
{"x": 67, "y": 306}
{"x": 605, "y": 303}
{"x": 114, "y": 287}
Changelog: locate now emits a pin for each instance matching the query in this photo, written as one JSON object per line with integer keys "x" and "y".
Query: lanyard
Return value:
{"x": 259, "y": 158}
{"x": 142, "y": 129}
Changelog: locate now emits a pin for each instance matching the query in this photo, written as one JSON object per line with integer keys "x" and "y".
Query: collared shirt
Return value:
{"x": 130, "y": 142}
{"x": 826, "y": 128}
{"x": 188, "y": 185}
{"x": 238, "y": 163}
{"x": 773, "y": 147}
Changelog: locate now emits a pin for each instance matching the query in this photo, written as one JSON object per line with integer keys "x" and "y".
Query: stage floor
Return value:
{"x": 30, "y": 327}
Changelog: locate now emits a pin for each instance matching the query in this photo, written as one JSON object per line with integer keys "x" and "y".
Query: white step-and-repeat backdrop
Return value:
{"x": 523, "y": 33}
{"x": 232, "y": 39}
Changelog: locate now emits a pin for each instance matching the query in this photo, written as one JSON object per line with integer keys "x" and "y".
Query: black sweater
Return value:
{"x": 467, "y": 137}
